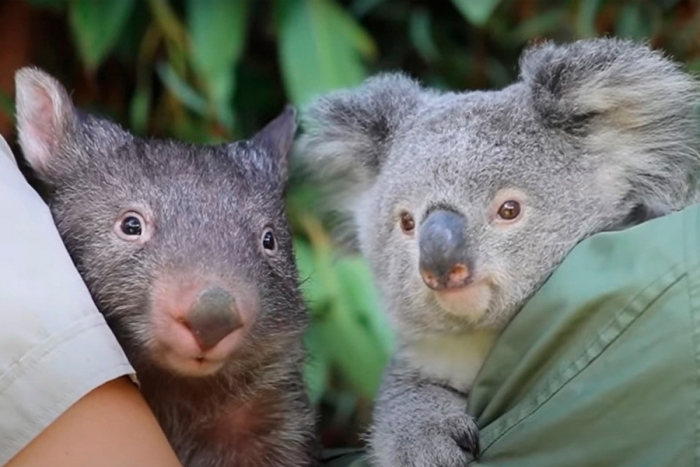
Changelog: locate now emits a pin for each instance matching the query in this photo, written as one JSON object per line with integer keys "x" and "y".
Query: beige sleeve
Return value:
{"x": 55, "y": 346}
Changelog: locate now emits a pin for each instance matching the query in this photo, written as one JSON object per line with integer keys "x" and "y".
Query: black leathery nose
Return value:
{"x": 442, "y": 243}
{"x": 213, "y": 316}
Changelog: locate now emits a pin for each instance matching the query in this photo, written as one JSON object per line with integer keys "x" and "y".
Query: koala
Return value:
{"x": 187, "y": 252}
{"x": 463, "y": 203}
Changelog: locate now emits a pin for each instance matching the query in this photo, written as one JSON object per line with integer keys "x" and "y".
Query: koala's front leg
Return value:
{"x": 420, "y": 422}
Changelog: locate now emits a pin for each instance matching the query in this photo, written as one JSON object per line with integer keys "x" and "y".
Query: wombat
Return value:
{"x": 465, "y": 202}
{"x": 187, "y": 252}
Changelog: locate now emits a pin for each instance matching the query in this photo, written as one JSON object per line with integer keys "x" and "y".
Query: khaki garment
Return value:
{"x": 55, "y": 346}
{"x": 602, "y": 367}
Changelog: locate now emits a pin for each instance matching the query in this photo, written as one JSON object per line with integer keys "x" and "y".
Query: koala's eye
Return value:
{"x": 269, "y": 243}
{"x": 509, "y": 210}
{"x": 407, "y": 223}
{"x": 131, "y": 226}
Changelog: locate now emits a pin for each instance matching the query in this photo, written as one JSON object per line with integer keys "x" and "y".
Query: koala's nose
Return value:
{"x": 444, "y": 262}
{"x": 212, "y": 316}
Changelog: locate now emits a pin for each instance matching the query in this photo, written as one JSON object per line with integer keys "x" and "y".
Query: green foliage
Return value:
{"x": 97, "y": 25}
{"x": 212, "y": 70}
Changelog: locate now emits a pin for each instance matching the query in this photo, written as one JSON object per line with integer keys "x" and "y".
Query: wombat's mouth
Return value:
{"x": 177, "y": 350}
{"x": 198, "y": 324}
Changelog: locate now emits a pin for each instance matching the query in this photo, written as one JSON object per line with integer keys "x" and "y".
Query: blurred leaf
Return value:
{"x": 97, "y": 25}
{"x": 217, "y": 37}
{"x": 313, "y": 290}
{"x": 7, "y": 105}
{"x": 181, "y": 89}
{"x": 631, "y": 23}
{"x": 477, "y": 12}
{"x": 694, "y": 65}
{"x": 138, "y": 110}
{"x": 361, "y": 7}
{"x": 317, "y": 370}
{"x": 585, "y": 23}
{"x": 540, "y": 25}
{"x": 55, "y": 4}
{"x": 420, "y": 30}
{"x": 320, "y": 48}
{"x": 358, "y": 281}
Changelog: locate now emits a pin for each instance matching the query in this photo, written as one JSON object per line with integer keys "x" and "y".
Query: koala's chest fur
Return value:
{"x": 453, "y": 360}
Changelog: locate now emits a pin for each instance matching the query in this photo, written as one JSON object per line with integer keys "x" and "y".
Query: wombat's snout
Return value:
{"x": 199, "y": 323}
{"x": 212, "y": 317}
{"x": 444, "y": 261}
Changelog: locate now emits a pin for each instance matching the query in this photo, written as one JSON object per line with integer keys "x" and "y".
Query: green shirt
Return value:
{"x": 602, "y": 366}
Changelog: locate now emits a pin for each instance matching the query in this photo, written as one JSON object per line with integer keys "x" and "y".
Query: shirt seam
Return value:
{"x": 692, "y": 255}
{"x": 617, "y": 325}
{"x": 27, "y": 361}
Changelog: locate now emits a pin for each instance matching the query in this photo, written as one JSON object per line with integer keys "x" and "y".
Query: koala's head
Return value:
{"x": 464, "y": 203}
{"x": 185, "y": 248}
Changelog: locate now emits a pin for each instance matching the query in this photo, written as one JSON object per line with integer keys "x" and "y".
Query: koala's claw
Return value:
{"x": 436, "y": 443}
{"x": 469, "y": 441}
{"x": 465, "y": 433}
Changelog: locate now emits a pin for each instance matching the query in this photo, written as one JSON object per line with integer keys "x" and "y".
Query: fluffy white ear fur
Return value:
{"x": 44, "y": 115}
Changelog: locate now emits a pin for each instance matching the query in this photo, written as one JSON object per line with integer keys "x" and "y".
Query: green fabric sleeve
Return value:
{"x": 602, "y": 366}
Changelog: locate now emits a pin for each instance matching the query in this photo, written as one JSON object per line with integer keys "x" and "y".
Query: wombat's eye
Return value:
{"x": 131, "y": 226}
{"x": 268, "y": 242}
{"x": 509, "y": 210}
{"x": 407, "y": 223}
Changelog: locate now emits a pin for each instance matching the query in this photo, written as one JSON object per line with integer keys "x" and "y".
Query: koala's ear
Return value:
{"x": 634, "y": 110}
{"x": 627, "y": 83}
{"x": 276, "y": 139}
{"x": 45, "y": 117}
{"x": 347, "y": 134}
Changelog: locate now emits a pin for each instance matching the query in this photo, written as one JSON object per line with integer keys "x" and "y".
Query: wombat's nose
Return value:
{"x": 212, "y": 317}
{"x": 443, "y": 251}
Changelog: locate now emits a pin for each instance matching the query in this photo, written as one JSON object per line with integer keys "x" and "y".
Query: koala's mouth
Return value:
{"x": 470, "y": 302}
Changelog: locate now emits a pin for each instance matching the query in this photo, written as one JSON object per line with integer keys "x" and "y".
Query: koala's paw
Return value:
{"x": 433, "y": 443}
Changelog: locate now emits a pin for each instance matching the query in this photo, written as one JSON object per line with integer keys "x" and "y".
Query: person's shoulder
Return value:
{"x": 5, "y": 150}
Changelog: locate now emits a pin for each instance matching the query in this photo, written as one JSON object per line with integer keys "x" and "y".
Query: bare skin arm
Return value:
{"x": 111, "y": 427}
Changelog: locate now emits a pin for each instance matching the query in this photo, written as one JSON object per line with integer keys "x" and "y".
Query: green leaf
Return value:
{"x": 585, "y": 23}
{"x": 217, "y": 37}
{"x": 96, "y": 26}
{"x": 421, "y": 34}
{"x": 312, "y": 287}
{"x": 138, "y": 109}
{"x": 7, "y": 105}
{"x": 181, "y": 89}
{"x": 317, "y": 368}
{"x": 477, "y": 12}
{"x": 632, "y": 24}
{"x": 321, "y": 48}
{"x": 539, "y": 25}
{"x": 358, "y": 283}
{"x": 54, "y": 4}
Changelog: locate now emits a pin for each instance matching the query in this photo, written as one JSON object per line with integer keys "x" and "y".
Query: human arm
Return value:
{"x": 62, "y": 373}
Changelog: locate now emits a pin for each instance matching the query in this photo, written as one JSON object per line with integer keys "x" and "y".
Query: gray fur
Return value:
{"x": 209, "y": 205}
{"x": 595, "y": 135}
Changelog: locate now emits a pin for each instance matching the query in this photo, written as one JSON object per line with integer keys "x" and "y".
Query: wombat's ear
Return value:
{"x": 347, "y": 134}
{"x": 634, "y": 110}
{"x": 45, "y": 117}
{"x": 276, "y": 139}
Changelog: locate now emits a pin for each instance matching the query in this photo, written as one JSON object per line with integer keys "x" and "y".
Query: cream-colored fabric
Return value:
{"x": 55, "y": 346}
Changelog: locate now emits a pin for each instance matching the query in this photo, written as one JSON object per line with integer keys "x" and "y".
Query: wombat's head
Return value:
{"x": 185, "y": 248}
{"x": 465, "y": 202}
